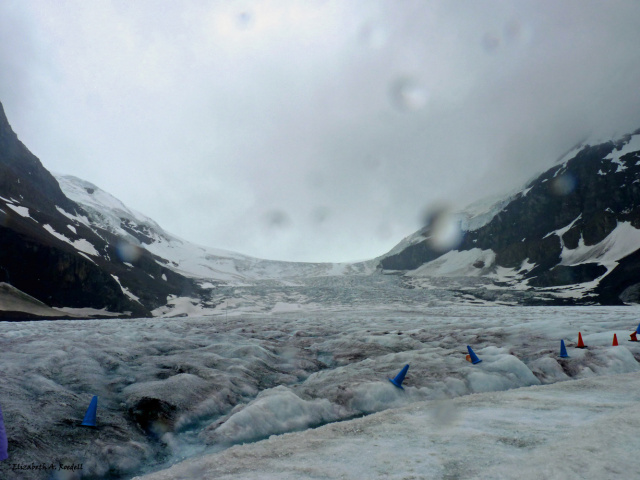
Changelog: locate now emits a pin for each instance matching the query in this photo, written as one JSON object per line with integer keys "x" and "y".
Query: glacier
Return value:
{"x": 302, "y": 392}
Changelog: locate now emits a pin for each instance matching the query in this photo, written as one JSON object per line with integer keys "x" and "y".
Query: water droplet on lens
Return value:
{"x": 445, "y": 414}
{"x": 490, "y": 42}
{"x": 320, "y": 214}
{"x": 373, "y": 37}
{"x": 244, "y": 20}
{"x": 408, "y": 95}
{"x": 128, "y": 252}
{"x": 442, "y": 229}
{"x": 512, "y": 30}
{"x": 277, "y": 219}
{"x": 563, "y": 184}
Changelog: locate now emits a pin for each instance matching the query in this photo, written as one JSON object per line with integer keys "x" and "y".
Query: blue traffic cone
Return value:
{"x": 638, "y": 329}
{"x": 563, "y": 350}
{"x": 90, "y": 416}
{"x": 400, "y": 377}
{"x": 4, "y": 454}
{"x": 474, "y": 357}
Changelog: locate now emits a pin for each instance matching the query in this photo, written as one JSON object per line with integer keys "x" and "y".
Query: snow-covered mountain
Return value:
{"x": 72, "y": 246}
{"x": 48, "y": 252}
{"x": 569, "y": 236}
{"x": 572, "y": 233}
{"x": 195, "y": 261}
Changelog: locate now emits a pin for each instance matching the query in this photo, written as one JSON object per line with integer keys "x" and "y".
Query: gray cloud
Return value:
{"x": 345, "y": 120}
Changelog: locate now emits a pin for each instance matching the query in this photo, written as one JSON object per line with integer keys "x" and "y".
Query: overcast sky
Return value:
{"x": 313, "y": 130}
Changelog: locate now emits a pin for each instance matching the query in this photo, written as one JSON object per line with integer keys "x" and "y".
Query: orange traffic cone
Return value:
{"x": 468, "y": 358}
{"x": 580, "y": 342}
{"x": 633, "y": 337}
{"x": 615, "y": 340}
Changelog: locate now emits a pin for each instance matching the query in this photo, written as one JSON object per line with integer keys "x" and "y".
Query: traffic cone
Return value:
{"x": 633, "y": 337}
{"x": 90, "y": 416}
{"x": 615, "y": 340}
{"x": 563, "y": 350}
{"x": 638, "y": 329}
{"x": 580, "y": 342}
{"x": 400, "y": 377}
{"x": 4, "y": 454}
{"x": 474, "y": 357}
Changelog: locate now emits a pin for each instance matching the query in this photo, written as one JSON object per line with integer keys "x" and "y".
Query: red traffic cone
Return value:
{"x": 633, "y": 337}
{"x": 615, "y": 340}
{"x": 580, "y": 342}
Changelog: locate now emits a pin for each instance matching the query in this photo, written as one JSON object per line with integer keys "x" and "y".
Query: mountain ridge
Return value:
{"x": 558, "y": 230}
{"x": 570, "y": 235}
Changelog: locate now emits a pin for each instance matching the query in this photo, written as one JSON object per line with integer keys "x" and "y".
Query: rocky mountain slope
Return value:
{"x": 573, "y": 231}
{"x": 71, "y": 245}
{"x": 50, "y": 251}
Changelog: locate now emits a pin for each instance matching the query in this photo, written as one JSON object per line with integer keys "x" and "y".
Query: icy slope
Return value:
{"x": 206, "y": 263}
{"x": 583, "y": 429}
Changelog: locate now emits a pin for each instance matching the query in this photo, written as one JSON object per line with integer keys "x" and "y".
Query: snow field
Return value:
{"x": 170, "y": 389}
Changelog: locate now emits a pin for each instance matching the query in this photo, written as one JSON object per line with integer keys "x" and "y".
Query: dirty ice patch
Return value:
{"x": 274, "y": 411}
{"x": 457, "y": 264}
{"x": 81, "y": 245}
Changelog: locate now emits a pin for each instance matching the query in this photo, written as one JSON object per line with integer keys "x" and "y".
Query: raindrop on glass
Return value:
{"x": 277, "y": 219}
{"x": 513, "y": 31}
{"x": 128, "y": 252}
{"x": 442, "y": 229}
{"x": 244, "y": 20}
{"x": 373, "y": 37}
{"x": 407, "y": 94}
{"x": 490, "y": 42}
{"x": 563, "y": 184}
{"x": 320, "y": 214}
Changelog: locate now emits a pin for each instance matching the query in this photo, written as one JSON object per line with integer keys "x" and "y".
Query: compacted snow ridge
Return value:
{"x": 257, "y": 393}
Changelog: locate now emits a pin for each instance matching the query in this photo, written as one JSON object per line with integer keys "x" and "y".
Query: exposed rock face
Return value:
{"x": 571, "y": 206}
{"x": 48, "y": 251}
{"x": 22, "y": 174}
